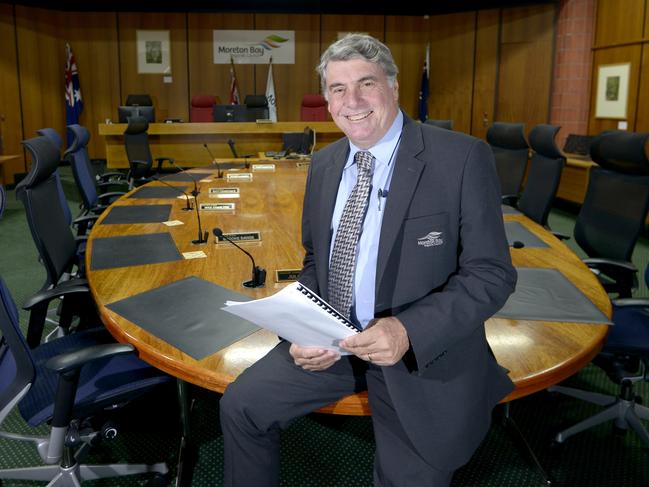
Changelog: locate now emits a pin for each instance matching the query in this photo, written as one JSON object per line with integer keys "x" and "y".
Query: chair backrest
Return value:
{"x": 201, "y": 109}
{"x": 444, "y": 124}
{"x": 544, "y": 174}
{"x": 313, "y": 108}
{"x": 54, "y": 136}
{"x": 507, "y": 141}
{"x": 136, "y": 141}
{"x": 139, "y": 100}
{"x": 77, "y": 155}
{"x": 256, "y": 107}
{"x": 38, "y": 193}
{"x": 617, "y": 199}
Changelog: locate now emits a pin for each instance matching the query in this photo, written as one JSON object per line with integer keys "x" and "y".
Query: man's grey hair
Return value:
{"x": 358, "y": 46}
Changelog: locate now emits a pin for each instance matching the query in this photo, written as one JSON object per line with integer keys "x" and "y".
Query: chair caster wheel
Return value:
{"x": 160, "y": 480}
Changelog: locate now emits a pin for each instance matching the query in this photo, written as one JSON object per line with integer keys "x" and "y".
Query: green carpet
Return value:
{"x": 327, "y": 451}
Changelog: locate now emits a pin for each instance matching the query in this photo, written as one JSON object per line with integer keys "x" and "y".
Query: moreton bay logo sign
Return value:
{"x": 254, "y": 46}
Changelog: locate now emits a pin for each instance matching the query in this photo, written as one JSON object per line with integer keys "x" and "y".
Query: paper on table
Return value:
{"x": 298, "y": 315}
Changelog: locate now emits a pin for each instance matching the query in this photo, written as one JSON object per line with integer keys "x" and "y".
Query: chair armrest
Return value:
{"x": 110, "y": 197}
{"x": 631, "y": 303}
{"x": 561, "y": 236}
{"x": 510, "y": 200}
{"x": 603, "y": 264}
{"x": 111, "y": 175}
{"x": 161, "y": 161}
{"x": 65, "y": 288}
{"x": 74, "y": 360}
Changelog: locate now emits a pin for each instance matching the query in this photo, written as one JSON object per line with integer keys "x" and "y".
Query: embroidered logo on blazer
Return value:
{"x": 430, "y": 240}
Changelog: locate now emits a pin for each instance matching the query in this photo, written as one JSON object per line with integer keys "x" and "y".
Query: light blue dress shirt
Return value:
{"x": 384, "y": 152}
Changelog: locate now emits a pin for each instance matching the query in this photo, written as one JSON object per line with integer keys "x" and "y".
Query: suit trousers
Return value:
{"x": 272, "y": 393}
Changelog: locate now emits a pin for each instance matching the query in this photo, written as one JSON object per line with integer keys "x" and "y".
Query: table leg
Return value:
{"x": 524, "y": 447}
{"x": 187, "y": 452}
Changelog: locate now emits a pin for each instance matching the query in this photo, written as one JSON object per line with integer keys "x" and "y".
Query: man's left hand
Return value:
{"x": 383, "y": 342}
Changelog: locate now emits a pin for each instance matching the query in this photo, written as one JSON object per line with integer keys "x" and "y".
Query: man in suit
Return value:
{"x": 419, "y": 207}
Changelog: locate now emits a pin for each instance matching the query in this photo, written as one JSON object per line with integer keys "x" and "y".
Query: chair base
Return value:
{"x": 625, "y": 412}
{"x": 73, "y": 476}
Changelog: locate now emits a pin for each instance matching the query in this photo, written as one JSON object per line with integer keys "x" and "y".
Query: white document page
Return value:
{"x": 298, "y": 315}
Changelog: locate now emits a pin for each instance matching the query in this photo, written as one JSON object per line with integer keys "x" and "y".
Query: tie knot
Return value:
{"x": 364, "y": 160}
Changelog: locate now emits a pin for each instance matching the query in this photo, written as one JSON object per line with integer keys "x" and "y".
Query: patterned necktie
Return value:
{"x": 343, "y": 255}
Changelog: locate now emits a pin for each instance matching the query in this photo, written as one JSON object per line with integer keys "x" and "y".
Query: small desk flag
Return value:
{"x": 270, "y": 93}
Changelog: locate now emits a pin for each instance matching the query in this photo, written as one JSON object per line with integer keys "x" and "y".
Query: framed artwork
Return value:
{"x": 612, "y": 91}
{"x": 153, "y": 52}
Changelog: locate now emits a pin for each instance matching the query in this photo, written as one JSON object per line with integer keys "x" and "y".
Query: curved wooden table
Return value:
{"x": 537, "y": 354}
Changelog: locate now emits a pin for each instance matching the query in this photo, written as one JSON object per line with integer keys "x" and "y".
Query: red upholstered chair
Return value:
{"x": 201, "y": 108}
{"x": 314, "y": 108}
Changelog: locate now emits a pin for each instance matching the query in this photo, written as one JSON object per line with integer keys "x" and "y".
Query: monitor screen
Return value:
{"x": 124, "y": 112}
{"x": 229, "y": 113}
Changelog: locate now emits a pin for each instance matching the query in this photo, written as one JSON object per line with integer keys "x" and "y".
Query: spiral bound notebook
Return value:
{"x": 298, "y": 315}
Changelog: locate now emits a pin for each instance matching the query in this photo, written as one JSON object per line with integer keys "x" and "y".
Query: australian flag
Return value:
{"x": 73, "y": 100}
{"x": 423, "y": 91}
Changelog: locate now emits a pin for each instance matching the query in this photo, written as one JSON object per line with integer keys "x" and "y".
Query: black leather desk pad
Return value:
{"x": 517, "y": 232}
{"x": 159, "y": 192}
{"x": 137, "y": 214}
{"x": 187, "y": 314}
{"x": 546, "y": 295}
{"x": 510, "y": 210}
{"x": 188, "y": 176}
{"x": 129, "y": 250}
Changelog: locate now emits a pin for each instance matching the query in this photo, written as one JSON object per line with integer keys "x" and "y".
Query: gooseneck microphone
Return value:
{"x": 219, "y": 174}
{"x": 202, "y": 237}
{"x": 187, "y": 207}
{"x": 258, "y": 274}
{"x": 195, "y": 192}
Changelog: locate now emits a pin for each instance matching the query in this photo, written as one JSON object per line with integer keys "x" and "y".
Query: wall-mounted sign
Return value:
{"x": 254, "y": 46}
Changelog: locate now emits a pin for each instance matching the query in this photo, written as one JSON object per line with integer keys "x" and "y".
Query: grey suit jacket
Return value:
{"x": 443, "y": 269}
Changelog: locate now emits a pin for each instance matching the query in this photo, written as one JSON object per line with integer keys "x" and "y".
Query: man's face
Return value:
{"x": 361, "y": 101}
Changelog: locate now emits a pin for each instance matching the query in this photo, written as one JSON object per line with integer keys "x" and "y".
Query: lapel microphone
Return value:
{"x": 258, "y": 274}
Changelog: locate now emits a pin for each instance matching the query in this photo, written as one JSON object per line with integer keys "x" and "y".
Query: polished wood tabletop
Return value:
{"x": 537, "y": 354}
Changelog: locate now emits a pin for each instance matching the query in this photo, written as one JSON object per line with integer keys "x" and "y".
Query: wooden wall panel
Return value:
{"x": 486, "y": 71}
{"x": 619, "y": 22}
{"x": 41, "y": 60}
{"x": 292, "y": 80}
{"x": 452, "y": 45}
{"x": 642, "y": 112}
{"x": 93, "y": 38}
{"x": 526, "y": 57}
{"x": 10, "y": 113}
{"x": 332, "y": 25}
{"x": 205, "y": 77}
{"x": 631, "y": 53}
{"x": 171, "y": 100}
{"x": 406, "y": 36}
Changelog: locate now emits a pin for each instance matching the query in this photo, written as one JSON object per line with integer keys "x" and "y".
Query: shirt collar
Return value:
{"x": 384, "y": 148}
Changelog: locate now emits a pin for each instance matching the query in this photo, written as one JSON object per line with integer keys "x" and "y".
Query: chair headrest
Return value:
{"x": 256, "y": 101}
{"x": 80, "y": 138}
{"x": 53, "y": 136}
{"x": 313, "y": 101}
{"x": 203, "y": 101}
{"x": 136, "y": 125}
{"x": 139, "y": 100}
{"x": 3, "y": 200}
{"x": 507, "y": 135}
{"x": 542, "y": 140}
{"x": 621, "y": 151}
{"x": 45, "y": 160}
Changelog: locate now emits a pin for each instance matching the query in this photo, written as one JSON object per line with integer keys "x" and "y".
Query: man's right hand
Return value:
{"x": 313, "y": 359}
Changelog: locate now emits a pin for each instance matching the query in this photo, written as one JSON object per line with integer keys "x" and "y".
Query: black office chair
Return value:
{"x": 57, "y": 246}
{"x": 256, "y": 107}
{"x": 62, "y": 383}
{"x": 444, "y": 124}
{"x": 87, "y": 184}
{"x": 507, "y": 141}
{"x": 614, "y": 209}
{"x": 55, "y": 138}
{"x": 543, "y": 176}
{"x": 139, "y": 101}
{"x": 140, "y": 160}
{"x": 624, "y": 358}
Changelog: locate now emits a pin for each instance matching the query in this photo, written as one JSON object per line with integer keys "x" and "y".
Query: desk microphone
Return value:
{"x": 195, "y": 192}
{"x": 236, "y": 156}
{"x": 219, "y": 174}
{"x": 202, "y": 237}
{"x": 258, "y": 274}
{"x": 189, "y": 206}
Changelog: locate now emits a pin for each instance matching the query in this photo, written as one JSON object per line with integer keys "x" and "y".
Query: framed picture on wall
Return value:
{"x": 612, "y": 90}
{"x": 153, "y": 52}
